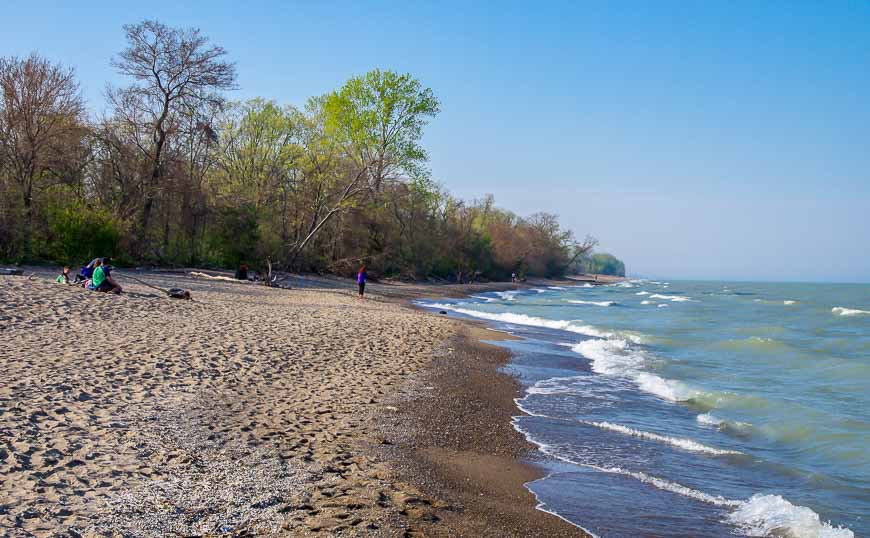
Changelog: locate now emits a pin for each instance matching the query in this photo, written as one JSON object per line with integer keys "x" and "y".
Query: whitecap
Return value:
{"x": 668, "y": 389}
{"x": 557, "y": 288}
{"x": 685, "y": 444}
{"x": 596, "y": 303}
{"x": 522, "y": 319}
{"x": 664, "y": 305}
{"x": 842, "y": 311}
{"x": 789, "y": 302}
{"x": 642, "y": 293}
{"x": 615, "y": 357}
{"x": 771, "y": 515}
{"x": 709, "y": 419}
{"x": 647, "y": 302}
{"x": 761, "y": 515}
{"x": 672, "y": 298}
{"x": 507, "y": 295}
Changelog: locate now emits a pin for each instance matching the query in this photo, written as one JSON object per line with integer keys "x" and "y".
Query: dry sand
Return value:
{"x": 249, "y": 410}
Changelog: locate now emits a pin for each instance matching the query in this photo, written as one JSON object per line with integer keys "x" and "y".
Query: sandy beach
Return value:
{"x": 254, "y": 410}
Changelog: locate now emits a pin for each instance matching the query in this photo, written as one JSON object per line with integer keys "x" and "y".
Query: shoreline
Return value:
{"x": 258, "y": 410}
{"x": 452, "y": 437}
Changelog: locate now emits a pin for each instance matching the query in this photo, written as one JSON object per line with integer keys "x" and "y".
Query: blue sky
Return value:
{"x": 695, "y": 139}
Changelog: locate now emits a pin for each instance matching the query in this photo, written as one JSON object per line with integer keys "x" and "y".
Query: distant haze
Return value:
{"x": 697, "y": 140}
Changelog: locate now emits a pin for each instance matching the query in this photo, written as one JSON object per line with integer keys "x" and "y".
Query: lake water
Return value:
{"x": 694, "y": 408}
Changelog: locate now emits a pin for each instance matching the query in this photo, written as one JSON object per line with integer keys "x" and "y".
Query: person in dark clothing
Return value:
{"x": 361, "y": 277}
{"x": 88, "y": 270}
{"x": 242, "y": 272}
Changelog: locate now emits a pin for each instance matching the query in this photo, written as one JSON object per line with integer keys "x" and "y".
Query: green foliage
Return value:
{"x": 77, "y": 233}
{"x": 604, "y": 264}
{"x": 379, "y": 117}
{"x": 235, "y": 236}
{"x": 343, "y": 179}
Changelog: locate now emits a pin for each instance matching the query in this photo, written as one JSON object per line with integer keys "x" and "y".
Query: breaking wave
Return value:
{"x": 842, "y": 311}
{"x": 672, "y": 298}
{"x": 596, "y": 303}
{"x": 615, "y": 357}
{"x": 771, "y": 515}
{"x": 522, "y": 319}
{"x": 685, "y": 444}
{"x": 761, "y": 515}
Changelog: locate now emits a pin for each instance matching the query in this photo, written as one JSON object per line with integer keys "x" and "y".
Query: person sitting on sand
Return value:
{"x": 87, "y": 271}
{"x": 63, "y": 277}
{"x": 83, "y": 279}
{"x": 361, "y": 280}
{"x": 102, "y": 279}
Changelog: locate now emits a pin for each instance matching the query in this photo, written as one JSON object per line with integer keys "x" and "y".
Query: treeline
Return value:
{"x": 602, "y": 264}
{"x": 175, "y": 173}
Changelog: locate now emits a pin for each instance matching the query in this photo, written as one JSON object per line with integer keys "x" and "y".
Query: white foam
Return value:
{"x": 611, "y": 357}
{"x": 507, "y": 295}
{"x": 672, "y": 298}
{"x": 584, "y": 386}
{"x": 771, "y": 515}
{"x": 482, "y": 298}
{"x": 674, "y": 487}
{"x": 664, "y": 305}
{"x": 614, "y": 357}
{"x": 557, "y": 288}
{"x": 522, "y": 319}
{"x": 841, "y": 311}
{"x": 667, "y": 389}
{"x": 596, "y": 303}
{"x": 789, "y": 302}
{"x": 685, "y": 444}
{"x": 760, "y": 515}
{"x": 642, "y": 293}
{"x": 647, "y": 302}
{"x": 538, "y": 290}
{"x": 709, "y": 419}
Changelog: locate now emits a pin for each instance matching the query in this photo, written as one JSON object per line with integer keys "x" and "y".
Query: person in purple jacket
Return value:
{"x": 361, "y": 280}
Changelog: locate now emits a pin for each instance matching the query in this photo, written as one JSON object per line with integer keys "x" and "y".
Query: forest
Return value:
{"x": 175, "y": 173}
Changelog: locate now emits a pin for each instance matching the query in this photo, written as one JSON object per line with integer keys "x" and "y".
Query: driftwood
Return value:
{"x": 173, "y": 293}
{"x": 219, "y": 277}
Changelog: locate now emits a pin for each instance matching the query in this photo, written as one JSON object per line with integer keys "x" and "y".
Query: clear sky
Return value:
{"x": 694, "y": 139}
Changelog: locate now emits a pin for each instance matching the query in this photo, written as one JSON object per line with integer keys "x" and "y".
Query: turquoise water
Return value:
{"x": 695, "y": 408}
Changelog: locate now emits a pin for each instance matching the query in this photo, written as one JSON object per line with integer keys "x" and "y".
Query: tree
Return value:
{"x": 41, "y": 115}
{"x": 174, "y": 71}
{"x": 379, "y": 119}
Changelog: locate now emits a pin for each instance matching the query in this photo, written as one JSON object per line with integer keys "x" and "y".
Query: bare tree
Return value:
{"x": 173, "y": 70}
{"x": 41, "y": 108}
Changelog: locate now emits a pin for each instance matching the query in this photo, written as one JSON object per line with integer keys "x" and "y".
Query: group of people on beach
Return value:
{"x": 95, "y": 276}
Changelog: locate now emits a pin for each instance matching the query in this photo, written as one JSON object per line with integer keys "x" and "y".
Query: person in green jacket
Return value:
{"x": 102, "y": 279}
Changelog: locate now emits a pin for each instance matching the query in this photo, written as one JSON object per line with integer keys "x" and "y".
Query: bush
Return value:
{"x": 79, "y": 233}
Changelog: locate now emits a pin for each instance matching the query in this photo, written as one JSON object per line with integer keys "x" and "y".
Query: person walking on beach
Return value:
{"x": 361, "y": 280}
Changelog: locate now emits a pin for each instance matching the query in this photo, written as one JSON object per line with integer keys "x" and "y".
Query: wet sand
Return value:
{"x": 253, "y": 410}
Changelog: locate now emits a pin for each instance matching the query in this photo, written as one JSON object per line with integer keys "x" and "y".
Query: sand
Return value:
{"x": 248, "y": 410}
